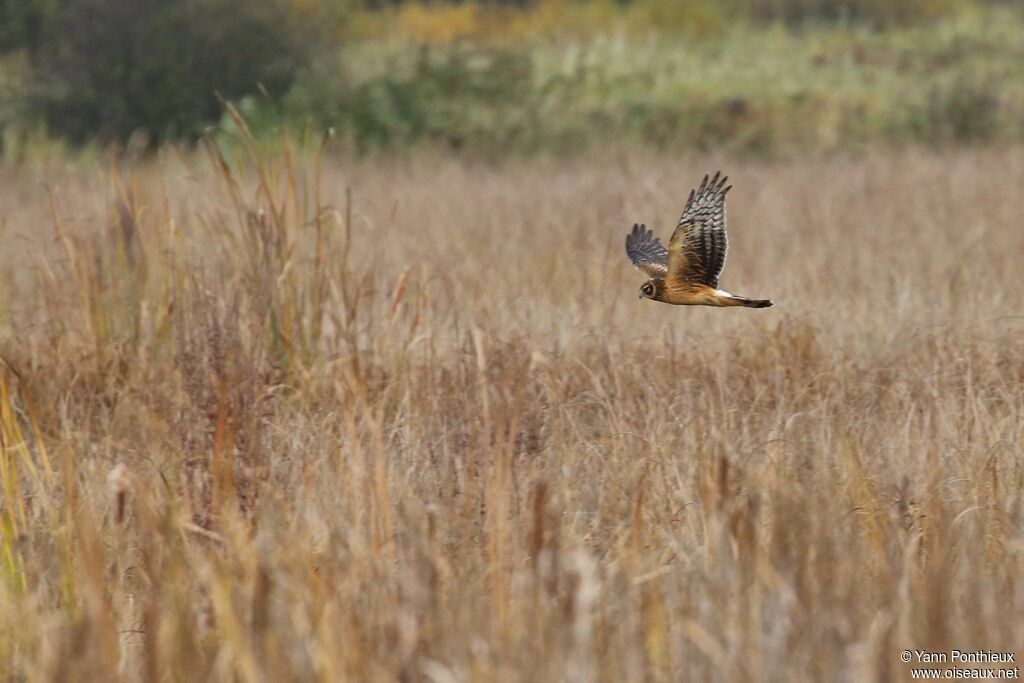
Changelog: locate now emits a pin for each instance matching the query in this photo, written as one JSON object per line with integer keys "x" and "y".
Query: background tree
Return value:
{"x": 106, "y": 68}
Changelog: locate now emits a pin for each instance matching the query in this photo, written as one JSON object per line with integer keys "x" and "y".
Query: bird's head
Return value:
{"x": 649, "y": 289}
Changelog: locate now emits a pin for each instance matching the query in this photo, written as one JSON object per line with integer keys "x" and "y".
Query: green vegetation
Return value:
{"x": 107, "y": 68}
{"x": 754, "y": 90}
{"x": 798, "y": 75}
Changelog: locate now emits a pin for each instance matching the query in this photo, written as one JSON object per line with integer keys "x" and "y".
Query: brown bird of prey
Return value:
{"x": 687, "y": 272}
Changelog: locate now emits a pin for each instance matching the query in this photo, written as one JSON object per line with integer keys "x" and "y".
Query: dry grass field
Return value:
{"x": 269, "y": 419}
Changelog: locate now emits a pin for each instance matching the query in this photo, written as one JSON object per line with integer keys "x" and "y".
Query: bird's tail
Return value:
{"x": 750, "y": 303}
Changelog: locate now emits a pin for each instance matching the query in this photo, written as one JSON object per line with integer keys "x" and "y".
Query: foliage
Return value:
{"x": 444, "y": 22}
{"x": 875, "y": 12}
{"x": 26, "y": 24}
{"x": 110, "y": 67}
{"x": 555, "y": 75}
{"x": 752, "y": 90}
{"x": 453, "y": 96}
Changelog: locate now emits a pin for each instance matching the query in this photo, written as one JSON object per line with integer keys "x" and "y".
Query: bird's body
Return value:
{"x": 697, "y": 294}
{"x": 686, "y": 273}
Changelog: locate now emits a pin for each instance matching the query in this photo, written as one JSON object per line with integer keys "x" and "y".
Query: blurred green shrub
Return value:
{"x": 875, "y": 12}
{"x": 963, "y": 111}
{"x": 453, "y": 96}
{"x": 694, "y": 18}
{"x": 23, "y": 23}
{"x": 108, "y": 68}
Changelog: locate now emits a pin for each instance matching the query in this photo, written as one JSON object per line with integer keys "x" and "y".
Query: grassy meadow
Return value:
{"x": 273, "y": 416}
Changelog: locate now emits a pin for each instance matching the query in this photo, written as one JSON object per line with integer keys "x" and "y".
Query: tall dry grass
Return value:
{"x": 270, "y": 419}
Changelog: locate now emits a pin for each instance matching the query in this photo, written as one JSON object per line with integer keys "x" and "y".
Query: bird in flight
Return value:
{"x": 687, "y": 272}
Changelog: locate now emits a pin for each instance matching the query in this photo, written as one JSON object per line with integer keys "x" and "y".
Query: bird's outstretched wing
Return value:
{"x": 697, "y": 249}
{"x": 646, "y": 252}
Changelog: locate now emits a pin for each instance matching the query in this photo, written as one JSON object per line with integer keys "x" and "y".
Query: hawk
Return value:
{"x": 687, "y": 272}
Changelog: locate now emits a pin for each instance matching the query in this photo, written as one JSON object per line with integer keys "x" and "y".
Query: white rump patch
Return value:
{"x": 722, "y": 292}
